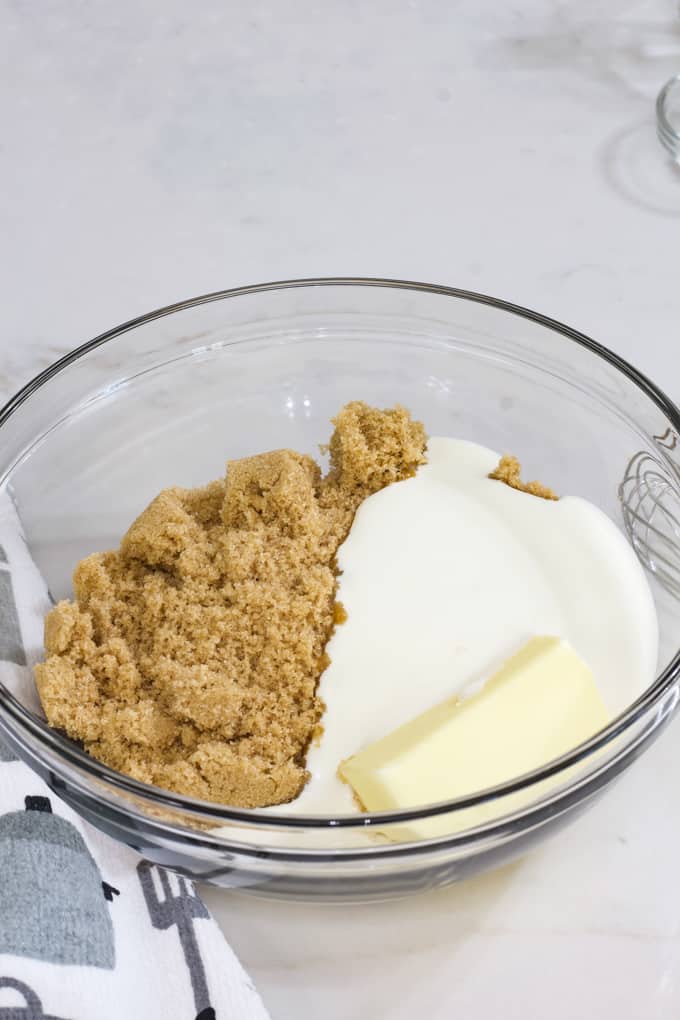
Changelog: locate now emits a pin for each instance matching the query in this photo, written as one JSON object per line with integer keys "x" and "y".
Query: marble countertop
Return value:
{"x": 155, "y": 151}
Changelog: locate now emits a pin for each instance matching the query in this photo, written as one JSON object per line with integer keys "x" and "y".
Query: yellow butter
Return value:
{"x": 540, "y": 704}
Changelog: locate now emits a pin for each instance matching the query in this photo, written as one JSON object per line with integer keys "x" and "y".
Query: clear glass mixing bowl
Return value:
{"x": 668, "y": 117}
{"x": 165, "y": 399}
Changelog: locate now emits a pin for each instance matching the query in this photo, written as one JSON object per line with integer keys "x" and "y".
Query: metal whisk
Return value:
{"x": 650, "y": 503}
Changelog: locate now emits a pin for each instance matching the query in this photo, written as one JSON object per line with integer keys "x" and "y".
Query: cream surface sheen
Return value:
{"x": 444, "y": 577}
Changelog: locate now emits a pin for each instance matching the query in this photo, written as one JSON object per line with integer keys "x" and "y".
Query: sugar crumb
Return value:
{"x": 509, "y": 472}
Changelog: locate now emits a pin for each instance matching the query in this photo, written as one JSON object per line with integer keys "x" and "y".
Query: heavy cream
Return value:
{"x": 444, "y": 577}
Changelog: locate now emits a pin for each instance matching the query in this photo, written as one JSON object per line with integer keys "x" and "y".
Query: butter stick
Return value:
{"x": 543, "y": 702}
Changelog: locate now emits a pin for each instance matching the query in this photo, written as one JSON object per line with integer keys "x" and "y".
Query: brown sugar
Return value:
{"x": 339, "y": 613}
{"x": 191, "y": 656}
{"x": 509, "y": 471}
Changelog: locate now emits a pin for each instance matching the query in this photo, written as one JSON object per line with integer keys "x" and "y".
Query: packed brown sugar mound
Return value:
{"x": 509, "y": 471}
{"x": 190, "y": 657}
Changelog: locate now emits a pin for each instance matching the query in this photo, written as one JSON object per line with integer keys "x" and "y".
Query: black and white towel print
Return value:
{"x": 89, "y": 931}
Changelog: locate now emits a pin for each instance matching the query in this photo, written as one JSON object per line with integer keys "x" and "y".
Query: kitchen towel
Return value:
{"x": 88, "y": 930}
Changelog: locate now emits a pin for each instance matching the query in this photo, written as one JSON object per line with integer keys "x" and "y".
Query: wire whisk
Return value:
{"x": 650, "y": 504}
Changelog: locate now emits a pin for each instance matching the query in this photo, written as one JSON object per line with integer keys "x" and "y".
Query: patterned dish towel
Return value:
{"x": 89, "y": 931}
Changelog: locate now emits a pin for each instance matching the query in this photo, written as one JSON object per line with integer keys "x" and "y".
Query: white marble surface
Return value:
{"x": 155, "y": 150}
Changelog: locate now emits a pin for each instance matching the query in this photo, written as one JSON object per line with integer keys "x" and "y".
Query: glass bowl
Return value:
{"x": 668, "y": 117}
{"x": 165, "y": 399}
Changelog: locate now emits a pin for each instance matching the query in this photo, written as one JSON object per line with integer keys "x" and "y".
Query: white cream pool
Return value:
{"x": 443, "y": 577}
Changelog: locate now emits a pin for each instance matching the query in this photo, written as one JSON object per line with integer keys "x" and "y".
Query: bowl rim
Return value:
{"x": 669, "y": 136}
{"x": 66, "y": 750}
